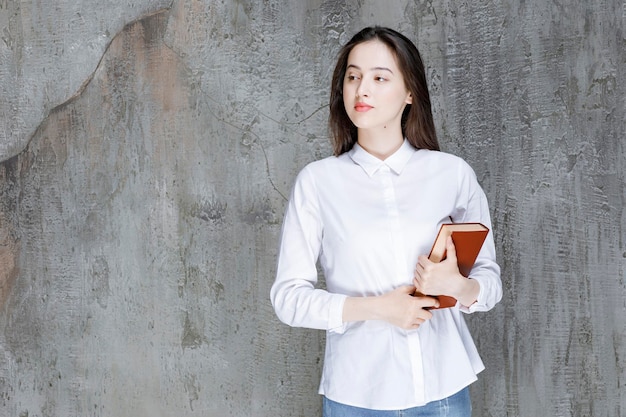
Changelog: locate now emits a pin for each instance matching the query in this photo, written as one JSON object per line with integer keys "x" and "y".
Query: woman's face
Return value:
{"x": 374, "y": 93}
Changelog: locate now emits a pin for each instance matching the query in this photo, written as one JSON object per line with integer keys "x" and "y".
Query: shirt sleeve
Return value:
{"x": 472, "y": 207}
{"x": 294, "y": 295}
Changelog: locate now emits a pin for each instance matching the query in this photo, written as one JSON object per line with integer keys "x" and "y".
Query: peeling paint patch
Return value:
{"x": 210, "y": 210}
{"x": 191, "y": 338}
{"x": 100, "y": 280}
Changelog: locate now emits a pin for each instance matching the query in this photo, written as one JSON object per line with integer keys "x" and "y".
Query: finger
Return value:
{"x": 422, "y": 260}
{"x": 416, "y": 276}
{"x": 430, "y": 302}
{"x": 423, "y": 265}
{"x": 419, "y": 271}
{"x": 408, "y": 289}
{"x": 419, "y": 288}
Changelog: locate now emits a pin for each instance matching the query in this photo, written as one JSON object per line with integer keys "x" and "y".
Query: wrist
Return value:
{"x": 467, "y": 292}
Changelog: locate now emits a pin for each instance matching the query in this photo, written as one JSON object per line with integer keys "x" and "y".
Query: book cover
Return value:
{"x": 468, "y": 239}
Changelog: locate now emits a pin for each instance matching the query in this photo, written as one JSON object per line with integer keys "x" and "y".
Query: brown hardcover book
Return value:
{"x": 468, "y": 238}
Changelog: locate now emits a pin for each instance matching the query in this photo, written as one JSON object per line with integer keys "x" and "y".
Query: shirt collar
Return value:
{"x": 370, "y": 164}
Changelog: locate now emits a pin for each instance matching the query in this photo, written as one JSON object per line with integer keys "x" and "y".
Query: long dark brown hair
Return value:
{"x": 417, "y": 119}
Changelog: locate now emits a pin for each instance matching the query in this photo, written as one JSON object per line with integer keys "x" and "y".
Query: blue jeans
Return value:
{"x": 457, "y": 405}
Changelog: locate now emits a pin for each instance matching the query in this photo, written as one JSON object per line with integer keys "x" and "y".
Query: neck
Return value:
{"x": 380, "y": 144}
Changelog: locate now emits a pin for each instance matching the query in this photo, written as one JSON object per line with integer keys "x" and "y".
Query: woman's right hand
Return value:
{"x": 398, "y": 307}
{"x": 403, "y": 309}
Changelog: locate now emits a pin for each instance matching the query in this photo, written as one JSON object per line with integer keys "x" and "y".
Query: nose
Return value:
{"x": 362, "y": 89}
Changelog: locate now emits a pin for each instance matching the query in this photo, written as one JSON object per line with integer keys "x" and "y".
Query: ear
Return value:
{"x": 409, "y": 98}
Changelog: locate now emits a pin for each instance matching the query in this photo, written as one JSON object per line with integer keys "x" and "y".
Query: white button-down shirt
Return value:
{"x": 367, "y": 221}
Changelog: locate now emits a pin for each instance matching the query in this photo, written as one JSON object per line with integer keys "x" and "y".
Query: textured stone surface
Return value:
{"x": 48, "y": 50}
{"x": 148, "y": 149}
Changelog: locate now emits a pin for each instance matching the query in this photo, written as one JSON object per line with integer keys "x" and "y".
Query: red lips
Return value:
{"x": 362, "y": 107}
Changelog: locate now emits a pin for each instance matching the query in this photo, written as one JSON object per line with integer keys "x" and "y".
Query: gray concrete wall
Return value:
{"x": 148, "y": 149}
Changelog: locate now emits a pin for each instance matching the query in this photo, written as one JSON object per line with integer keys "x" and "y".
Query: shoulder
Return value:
{"x": 322, "y": 168}
{"x": 316, "y": 172}
{"x": 327, "y": 162}
{"x": 442, "y": 160}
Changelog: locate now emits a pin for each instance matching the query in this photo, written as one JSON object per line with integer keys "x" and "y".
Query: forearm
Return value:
{"x": 361, "y": 309}
{"x": 398, "y": 307}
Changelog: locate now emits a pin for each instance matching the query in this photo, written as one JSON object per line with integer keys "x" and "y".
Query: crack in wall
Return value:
{"x": 87, "y": 80}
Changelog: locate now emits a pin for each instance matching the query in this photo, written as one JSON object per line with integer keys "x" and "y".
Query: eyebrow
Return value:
{"x": 375, "y": 68}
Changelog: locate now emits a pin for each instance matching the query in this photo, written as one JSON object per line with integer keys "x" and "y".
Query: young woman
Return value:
{"x": 369, "y": 215}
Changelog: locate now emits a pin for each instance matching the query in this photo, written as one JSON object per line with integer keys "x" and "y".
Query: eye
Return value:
{"x": 352, "y": 77}
{"x": 380, "y": 78}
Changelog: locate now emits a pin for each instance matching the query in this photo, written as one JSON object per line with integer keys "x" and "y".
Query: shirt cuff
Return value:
{"x": 335, "y": 316}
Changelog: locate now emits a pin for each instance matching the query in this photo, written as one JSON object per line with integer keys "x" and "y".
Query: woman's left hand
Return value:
{"x": 444, "y": 278}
